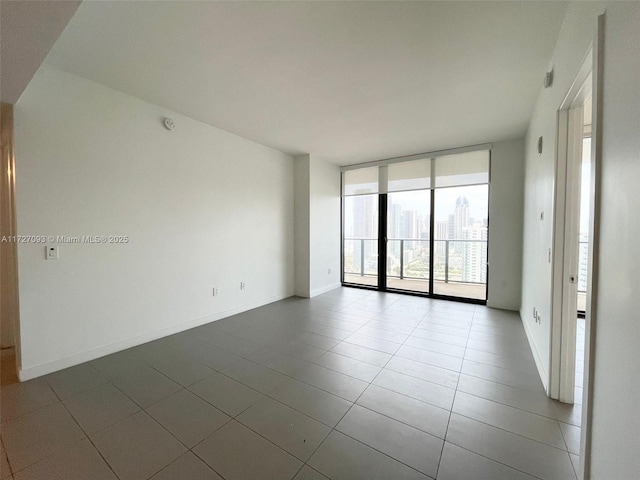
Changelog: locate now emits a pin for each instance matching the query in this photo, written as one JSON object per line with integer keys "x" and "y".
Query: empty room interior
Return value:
{"x": 319, "y": 240}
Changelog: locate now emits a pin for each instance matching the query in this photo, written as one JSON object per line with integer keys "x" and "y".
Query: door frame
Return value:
{"x": 566, "y": 212}
{"x": 566, "y": 215}
{"x": 593, "y": 67}
{"x": 9, "y": 298}
{"x": 595, "y": 200}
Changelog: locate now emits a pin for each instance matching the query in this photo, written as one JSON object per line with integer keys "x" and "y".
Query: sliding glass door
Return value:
{"x": 408, "y": 240}
{"x": 419, "y": 225}
{"x": 462, "y": 229}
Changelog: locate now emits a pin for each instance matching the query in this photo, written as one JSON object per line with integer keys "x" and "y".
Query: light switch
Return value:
{"x": 51, "y": 252}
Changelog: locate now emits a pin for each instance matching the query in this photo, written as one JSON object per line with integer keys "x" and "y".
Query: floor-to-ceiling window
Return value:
{"x": 462, "y": 230}
{"x": 419, "y": 225}
{"x": 408, "y": 222}
{"x": 360, "y": 226}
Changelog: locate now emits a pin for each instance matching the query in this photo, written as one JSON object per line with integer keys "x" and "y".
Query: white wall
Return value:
{"x": 324, "y": 218}
{"x": 616, "y": 398}
{"x": 616, "y": 382}
{"x": 302, "y": 227}
{"x": 202, "y": 208}
{"x": 317, "y": 226}
{"x": 506, "y": 197}
{"x": 576, "y": 35}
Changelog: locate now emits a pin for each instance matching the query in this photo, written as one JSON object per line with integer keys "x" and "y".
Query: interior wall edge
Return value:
{"x": 544, "y": 374}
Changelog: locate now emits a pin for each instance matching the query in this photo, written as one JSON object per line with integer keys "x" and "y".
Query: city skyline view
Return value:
{"x": 460, "y": 236}
{"x": 361, "y": 211}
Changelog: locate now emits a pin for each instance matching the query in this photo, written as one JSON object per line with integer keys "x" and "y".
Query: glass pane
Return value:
{"x": 414, "y": 175}
{"x": 583, "y": 247}
{"x": 360, "y": 255}
{"x": 360, "y": 181}
{"x": 462, "y": 169}
{"x": 408, "y": 222}
{"x": 460, "y": 241}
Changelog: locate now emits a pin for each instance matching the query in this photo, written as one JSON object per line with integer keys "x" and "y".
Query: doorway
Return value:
{"x": 584, "y": 214}
{"x": 8, "y": 251}
{"x": 571, "y": 238}
{"x": 579, "y": 128}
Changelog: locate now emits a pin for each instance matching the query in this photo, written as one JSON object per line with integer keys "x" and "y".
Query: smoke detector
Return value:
{"x": 169, "y": 124}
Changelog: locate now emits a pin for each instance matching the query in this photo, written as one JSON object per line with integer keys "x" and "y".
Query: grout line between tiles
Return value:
{"x": 454, "y": 396}
{"x": 508, "y": 405}
{"x": 86, "y": 435}
{"x": 345, "y": 309}
{"x": 370, "y": 383}
{"x": 496, "y": 461}
{"x": 6, "y": 456}
{"x": 512, "y": 433}
{"x": 90, "y": 441}
{"x": 345, "y": 414}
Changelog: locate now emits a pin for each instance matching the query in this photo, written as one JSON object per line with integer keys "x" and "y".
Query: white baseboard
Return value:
{"x": 328, "y": 288}
{"x": 544, "y": 375}
{"x": 504, "y": 306}
{"x": 88, "y": 355}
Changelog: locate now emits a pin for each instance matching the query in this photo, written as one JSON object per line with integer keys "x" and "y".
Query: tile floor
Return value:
{"x": 349, "y": 385}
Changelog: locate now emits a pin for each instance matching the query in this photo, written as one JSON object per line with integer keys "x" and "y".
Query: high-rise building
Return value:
{"x": 461, "y": 216}
{"x": 423, "y": 226}
{"x": 475, "y": 254}
{"x": 451, "y": 227}
{"x": 363, "y": 216}
{"x": 583, "y": 261}
{"x": 409, "y": 224}
{"x": 441, "y": 235}
{"x": 394, "y": 220}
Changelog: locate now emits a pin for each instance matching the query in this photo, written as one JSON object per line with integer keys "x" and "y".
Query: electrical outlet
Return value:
{"x": 51, "y": 252}
{"x": 534, "y": 312}
{"x": 329, "y": 271}
{"x": 538, "y": 318}
{"x": 216, "y": 292}
{"x": 241, "y": 285}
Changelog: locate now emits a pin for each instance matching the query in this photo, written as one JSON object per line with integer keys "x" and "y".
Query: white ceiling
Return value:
{"x": 347, "y": 81}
